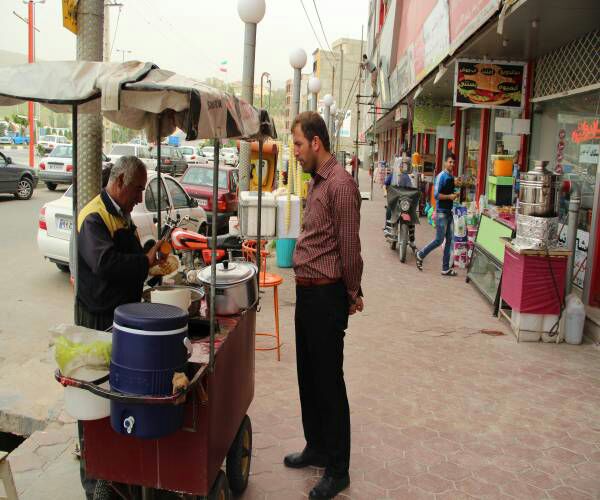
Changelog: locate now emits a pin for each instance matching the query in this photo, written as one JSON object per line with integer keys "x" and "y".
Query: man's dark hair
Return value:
{"x": 312, "y": 125}
{"x": 450, "y": 156}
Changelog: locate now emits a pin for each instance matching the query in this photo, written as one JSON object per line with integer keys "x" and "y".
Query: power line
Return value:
{"x": 315, "y": 33}
{"x": 321, "y": 23}
{"x": 115, "y": 34}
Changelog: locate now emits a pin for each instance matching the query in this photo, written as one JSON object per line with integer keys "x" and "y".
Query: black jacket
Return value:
{"x": 112, "y": 266}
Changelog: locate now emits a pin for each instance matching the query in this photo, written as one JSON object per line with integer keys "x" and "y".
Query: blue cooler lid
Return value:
{"x": 150, "y": 317}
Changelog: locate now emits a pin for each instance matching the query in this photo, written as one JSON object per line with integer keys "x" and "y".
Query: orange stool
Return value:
{"x": 266, "y": 280}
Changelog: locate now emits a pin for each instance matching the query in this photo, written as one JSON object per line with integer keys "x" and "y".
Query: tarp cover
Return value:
{"x": 132, "y": 94}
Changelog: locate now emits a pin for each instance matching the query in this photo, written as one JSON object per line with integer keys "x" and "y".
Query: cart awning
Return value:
{"x": 132, "y": 94}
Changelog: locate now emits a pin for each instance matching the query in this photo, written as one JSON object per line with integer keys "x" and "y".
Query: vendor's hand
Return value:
{"x": 152, "y": 255}
{"x": 453, "y": 196}
{"x": 180, "y": 383}
{"x": 358, "y": 306}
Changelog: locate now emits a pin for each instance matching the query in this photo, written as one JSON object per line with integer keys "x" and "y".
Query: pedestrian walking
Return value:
{"x": 328, "y": 267}
{"x": 444, "y": 196}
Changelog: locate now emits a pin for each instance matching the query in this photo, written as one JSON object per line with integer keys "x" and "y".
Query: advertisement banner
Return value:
{"x": 489, "y": 84}
{"x": 345, "y": 129}
{"x": 466, "y": 17}
{"x": 436, "y": 37}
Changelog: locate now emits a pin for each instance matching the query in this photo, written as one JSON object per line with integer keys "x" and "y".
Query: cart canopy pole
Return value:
{"x": 259, "y": 215}
{"x": 74, "y": 252}
{"x": 158, "y": 180}
{"x": 213, "y": 254}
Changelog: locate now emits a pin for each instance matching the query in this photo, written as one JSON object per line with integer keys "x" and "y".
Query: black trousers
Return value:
{"x": 321, "y": 318}
{"x": 85, "y": 318}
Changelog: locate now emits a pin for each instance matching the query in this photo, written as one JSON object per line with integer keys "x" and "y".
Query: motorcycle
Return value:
{"x": 195, "y": 248}
{"x": 403, "y": 203}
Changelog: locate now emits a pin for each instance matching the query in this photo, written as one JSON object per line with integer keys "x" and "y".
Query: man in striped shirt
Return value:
{"x": 328, "y": 268}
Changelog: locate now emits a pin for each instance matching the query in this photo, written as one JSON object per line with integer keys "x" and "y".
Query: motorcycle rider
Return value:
{"x": 403, "y": 180}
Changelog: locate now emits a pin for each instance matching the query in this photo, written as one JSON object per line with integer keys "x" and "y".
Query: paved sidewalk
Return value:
{"x": 439, "y": 409}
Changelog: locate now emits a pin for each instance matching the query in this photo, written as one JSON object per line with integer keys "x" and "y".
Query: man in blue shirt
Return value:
{"x": 444, "y": 196}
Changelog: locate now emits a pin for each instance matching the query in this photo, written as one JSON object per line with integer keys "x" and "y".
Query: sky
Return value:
{"x": 194, "y": 37}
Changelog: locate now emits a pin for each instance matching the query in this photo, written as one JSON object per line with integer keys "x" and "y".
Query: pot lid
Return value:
{"x": 539, "y": 172}
{"x": 228, "y": 273}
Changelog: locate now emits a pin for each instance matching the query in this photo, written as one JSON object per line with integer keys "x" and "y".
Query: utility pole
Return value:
{"x": 340, "y": 94}
{"x": 107, "y": 53}
{"x": 358, "y": 108}
{"x": 90, "y": 26}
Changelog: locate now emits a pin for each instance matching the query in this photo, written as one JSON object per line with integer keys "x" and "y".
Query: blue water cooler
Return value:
{"x": 148, "y": 347}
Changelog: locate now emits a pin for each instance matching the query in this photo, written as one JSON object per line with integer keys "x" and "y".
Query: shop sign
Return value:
{"x": 586, "y": 131}
{"x": 436, "y": 37}
{"x": 346, "y": 124}
{"x": 560, "y": 151}
{"x": 466, "y": 17}
{"x": 489, "y": 84}
{"x": 589, "y": 153}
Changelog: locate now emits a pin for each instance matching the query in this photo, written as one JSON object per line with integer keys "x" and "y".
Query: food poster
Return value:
{"x": 489, "y": 84}
{"x": 581, "y": 251}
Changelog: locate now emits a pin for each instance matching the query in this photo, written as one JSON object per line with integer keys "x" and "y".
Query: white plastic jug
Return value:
{"x": 575, "y": 320}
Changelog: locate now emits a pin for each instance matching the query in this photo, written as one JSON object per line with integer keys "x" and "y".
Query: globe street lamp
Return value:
{"x": 314, "y": 87}
{"x": 327, "y": 102}
{"x": 297, "y": 61}
{"x": 252, "y": 13}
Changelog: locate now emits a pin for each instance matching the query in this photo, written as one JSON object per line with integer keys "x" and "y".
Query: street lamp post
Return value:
{"x": 327, "y": 102}
{"x": 314, "y": 87}
{"x": 297, "y": 61}
{"x": 261, "y": 86}
{"x": 251, "y": 12}
{"x": 332, "y": 124}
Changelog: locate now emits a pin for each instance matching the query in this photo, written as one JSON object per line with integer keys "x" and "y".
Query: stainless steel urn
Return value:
{"x": 538, "y": 192}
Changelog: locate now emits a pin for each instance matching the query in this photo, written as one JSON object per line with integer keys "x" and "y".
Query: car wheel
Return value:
{"x": 63, "y": 267}
{"x": 24, "y": 189}
{"x": 51, "y": 186}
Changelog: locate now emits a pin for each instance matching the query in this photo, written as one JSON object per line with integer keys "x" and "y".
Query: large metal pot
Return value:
{"x": 237, "y": 286}
{"x": 538, "y": 192}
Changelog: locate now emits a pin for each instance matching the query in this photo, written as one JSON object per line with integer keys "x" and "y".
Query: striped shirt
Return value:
{"x": 329, "y": 243}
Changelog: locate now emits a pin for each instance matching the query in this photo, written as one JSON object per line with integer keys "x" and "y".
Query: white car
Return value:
{"x": 208, "y": 152}
{"x": 229, "y": 156}
{"x": 191, "y": 156}
{"x": 49, "y": 142}
{"x": 57, "y": 167}
{"x": 141, "y": 151}
{"x": 56, "y": 218}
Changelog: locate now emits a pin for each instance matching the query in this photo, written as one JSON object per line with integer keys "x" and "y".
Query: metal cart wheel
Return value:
{"x": 220, "y": 490}
{"x": 239, "y": 458}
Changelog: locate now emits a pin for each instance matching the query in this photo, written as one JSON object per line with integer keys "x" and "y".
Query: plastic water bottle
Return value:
{"x": 575, "y": 320}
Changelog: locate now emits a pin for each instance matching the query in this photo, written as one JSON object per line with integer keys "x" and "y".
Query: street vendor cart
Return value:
{"x": 185, "y": 463}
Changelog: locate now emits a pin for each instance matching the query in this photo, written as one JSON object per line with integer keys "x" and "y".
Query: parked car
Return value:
{"x": 6, "y": 139}
{"x": 171, "y": 160}
{"x": 57, "y": 167}
{"x": 49, "y": 142}
{"x": 139, "y": 140}
{"x": 191, "y": 156}
{"x": 208, "y": 152}
{"x": 56, "y": 218}
{"x": 141, "y": 151}
{"x": 198, "y": 183}
{"x": 229, "y": 156}
{"x": 17, "y": 179}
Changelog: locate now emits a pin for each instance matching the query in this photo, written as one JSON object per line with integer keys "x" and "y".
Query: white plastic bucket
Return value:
{"x": 82, "y": 404}
{"x": 179, "y": 297}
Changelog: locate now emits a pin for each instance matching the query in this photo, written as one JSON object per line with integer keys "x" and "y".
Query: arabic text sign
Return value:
{"x": 581, "y": 251}
{"x": 489, "y": 84}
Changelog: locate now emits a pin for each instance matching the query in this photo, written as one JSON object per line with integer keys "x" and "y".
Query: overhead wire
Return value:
{"x": 112, "y": 45}
{"x": 321, "y": 23}
{"x": 316, "y": 36}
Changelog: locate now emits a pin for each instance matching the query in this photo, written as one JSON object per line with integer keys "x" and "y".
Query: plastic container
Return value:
{"x": 234, "y": 225}
{"x": 575, "y": 320}
{"x": 248, "y": 211}
{"x": 285, "y": 252}
{"x": 84, "y": 405}
{"x": 503, "y": 166}
{"x": 178, "y": 297}
{"x": 148, "y": 348}
{"x": 293, "y": 231}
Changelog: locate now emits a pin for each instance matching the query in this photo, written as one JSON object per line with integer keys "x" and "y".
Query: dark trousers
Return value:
{"x": 321, "y": 318}
{"x": 85, "y": 318}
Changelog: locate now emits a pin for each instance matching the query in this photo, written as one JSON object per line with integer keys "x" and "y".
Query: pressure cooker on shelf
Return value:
{"x": 538, "y": 192}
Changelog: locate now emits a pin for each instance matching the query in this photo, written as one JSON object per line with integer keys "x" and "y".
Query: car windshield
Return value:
{"x": 208, "y": 149}
{"x": 49, "y": 138}
{"x": 62, "y": 151}
{"x": 204, "y": 177}
{"x": 187, "y": 151}
{"x": 123, "y": 150}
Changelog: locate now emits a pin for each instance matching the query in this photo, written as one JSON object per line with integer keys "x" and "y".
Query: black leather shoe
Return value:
{"x": 329, "y": 486}
{"x": 304, "y": 459}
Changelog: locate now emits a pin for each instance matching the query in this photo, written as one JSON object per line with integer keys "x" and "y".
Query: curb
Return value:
{"x": 14, "y": 146}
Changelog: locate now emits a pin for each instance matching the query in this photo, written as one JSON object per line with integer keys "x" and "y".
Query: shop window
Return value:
{"x": 567, "y": 133}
